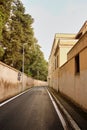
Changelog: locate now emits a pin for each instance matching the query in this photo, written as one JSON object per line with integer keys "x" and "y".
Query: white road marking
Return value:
{"x": 58, "y": 112}
{"x": 70, "y": 119}
{"x": 3, "y": 103}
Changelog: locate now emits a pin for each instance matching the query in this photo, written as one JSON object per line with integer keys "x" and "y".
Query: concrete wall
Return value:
{"x": 81, "y": 44}
{"x": 10, "y": 85}
{"x": 65, "y": 47}
{"x": 55, "y": 81}
{"x": 63, "y": 54}
{"x": 61, "y": 46}
{"x": 74, "y": 86}
{"x": 66, "y": 78}
{"x": 40, "y": 83}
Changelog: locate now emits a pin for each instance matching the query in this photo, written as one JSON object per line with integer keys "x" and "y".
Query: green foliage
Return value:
{"x": 38, "y": 65}
{"x": 5, "y": 7}
{"x": 1, "y": 52}
{"x": 17, "y": 30}
{"x": 1, "y": 24}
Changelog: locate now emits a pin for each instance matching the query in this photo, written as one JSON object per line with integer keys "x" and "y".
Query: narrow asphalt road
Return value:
{"x": 30, "y": 111}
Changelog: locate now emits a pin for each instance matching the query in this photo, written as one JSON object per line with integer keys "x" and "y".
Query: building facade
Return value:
{"x": 70, "y": 73}
{"x": 61, "y": 46}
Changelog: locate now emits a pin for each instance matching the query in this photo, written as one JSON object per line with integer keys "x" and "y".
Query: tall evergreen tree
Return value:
{"x": 19, "y": 31}
{"x": 16, "y": 31}
{"x": 5, "y": 7}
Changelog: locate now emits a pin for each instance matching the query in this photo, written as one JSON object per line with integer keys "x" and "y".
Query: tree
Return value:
{"x": 5, "y": 7}
{"x": 1, "y": 52}
{"x": 17, "y": 30}
{"x": 38, "y": 65}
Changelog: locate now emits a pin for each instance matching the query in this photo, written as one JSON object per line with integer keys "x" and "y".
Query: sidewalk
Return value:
{"x": 76, "y": 113}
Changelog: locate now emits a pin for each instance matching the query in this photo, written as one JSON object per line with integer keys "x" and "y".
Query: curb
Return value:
{"x": 68, "y": 116}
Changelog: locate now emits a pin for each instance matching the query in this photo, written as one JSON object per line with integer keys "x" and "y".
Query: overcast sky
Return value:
{"x": 55, "y": 16}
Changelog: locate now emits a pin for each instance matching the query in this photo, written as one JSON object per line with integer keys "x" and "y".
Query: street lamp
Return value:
{"x": 23, "y": 68}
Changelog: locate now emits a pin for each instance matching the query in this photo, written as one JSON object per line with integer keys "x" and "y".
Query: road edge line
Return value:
{"x": 68, "y": 116}
{"x": 57, "y": 111}
{"x": 8, "y": 100}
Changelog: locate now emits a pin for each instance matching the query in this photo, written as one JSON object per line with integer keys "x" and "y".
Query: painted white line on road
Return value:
{"x": 3, "y": 103}
{"x": 70, "y": 119}
{"x": 58, "y": 112}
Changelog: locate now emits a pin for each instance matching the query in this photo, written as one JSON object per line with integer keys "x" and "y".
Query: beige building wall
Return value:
{"x": 65, "y": 46}
{"x": 70, "y": 76}
{"x": 73, "y": 84}
{"x": 51, "y": 65}
{"x": 77, "y": 47}
{"x": 61, "y": 45}
{"x": 63, "y": 54}
{"x": 66, "y": 79}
